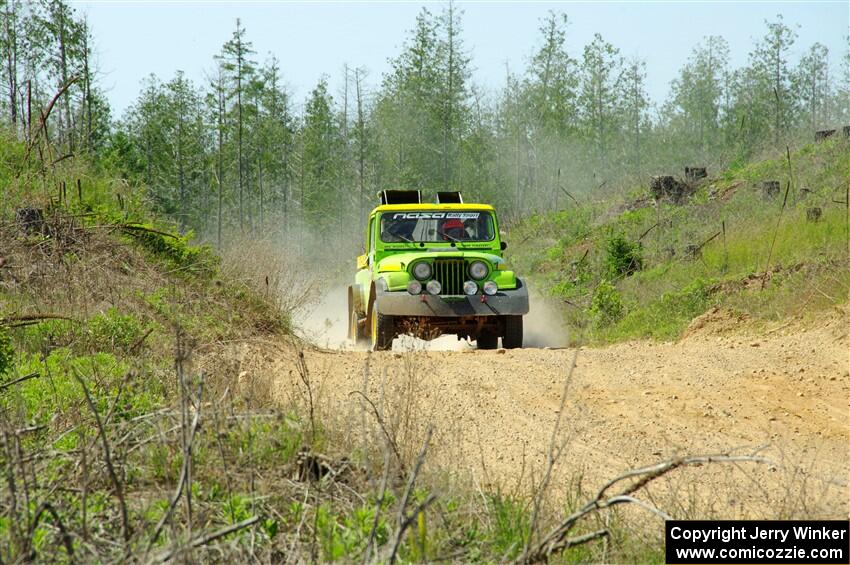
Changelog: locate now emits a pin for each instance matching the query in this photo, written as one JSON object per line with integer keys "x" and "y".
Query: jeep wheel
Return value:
{"x": 383, "y": 331}
{"x": 487, "y": 341}
{"x": 513, "y": 332}
{"x": 355, "y": 329}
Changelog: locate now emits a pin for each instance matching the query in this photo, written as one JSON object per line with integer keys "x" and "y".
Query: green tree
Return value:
{"x": 277, "y": 139}
{"x": 185, "y": 137}
{"x": 635, "y": 105}
{"x": 453, "y": 92}
{"x": 321, "y": 144}
{"x": 696, "y": 97}
{"x": 235, "y": 59}
{"x": 550, "y": 92}
{"x": 551, "y": 87}
{"x": 407, "y": 112}
{"x": 64, "y": 55}
{"x": 812, "y": 85}
{"x": 363, "y": 143}
{"x": 601, "y": 89}
{"x": 10, "y": 46}
{"x": 773, "y": 76}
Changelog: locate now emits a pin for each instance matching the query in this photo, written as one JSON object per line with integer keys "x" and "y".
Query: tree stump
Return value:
{"x": 667, "y": 187}
{"x": 813, "y": 214}
{"x": 694, "y": 174}
{"x": 693, "y": 251}
{"x": 770, "y": 188}
{"x": 823, "y": 134}
{"x": 846, "y": 130}
{"x": 30, "y": 220}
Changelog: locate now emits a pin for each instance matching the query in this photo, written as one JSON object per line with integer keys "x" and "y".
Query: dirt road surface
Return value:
{"x": 728, "y": 385}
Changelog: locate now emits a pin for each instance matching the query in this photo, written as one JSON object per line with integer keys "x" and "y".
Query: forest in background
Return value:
{"x": 239, "y": 155}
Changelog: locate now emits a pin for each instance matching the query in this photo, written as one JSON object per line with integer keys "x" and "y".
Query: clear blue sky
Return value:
{"x": 136, "y": 38}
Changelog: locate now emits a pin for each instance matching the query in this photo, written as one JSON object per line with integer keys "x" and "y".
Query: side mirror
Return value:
{"x": 503, "y": 246}
{"x": 362, "y": 262}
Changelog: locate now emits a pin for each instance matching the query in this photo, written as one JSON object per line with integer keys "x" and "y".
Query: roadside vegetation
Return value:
{"x": 626, "y": 265}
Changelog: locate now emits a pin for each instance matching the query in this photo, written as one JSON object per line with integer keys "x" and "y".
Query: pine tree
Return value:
{"x": 635, "y": 112}
{"x": 601, "y": 90}
{"x": 453, "y": 109}
{"x": 550, "y": 93}
{"x": 10, "y": 46}
{"x": 769, "y": 62}
{"x": 321, "y": 141}
{"x": 239, "y": 67}
{"x": 697, "y": 97}
{"x": 812, "y": 86}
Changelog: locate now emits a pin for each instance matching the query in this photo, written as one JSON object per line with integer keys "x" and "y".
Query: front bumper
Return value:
{"x": 503, "y": 303}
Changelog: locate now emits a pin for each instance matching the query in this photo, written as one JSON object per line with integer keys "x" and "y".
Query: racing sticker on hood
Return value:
{"x": 435, "y": 215}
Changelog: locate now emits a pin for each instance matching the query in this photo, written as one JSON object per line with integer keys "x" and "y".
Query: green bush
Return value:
{"x": 113, "y": 331}
{"x": 199, "y": 259}
{"x": 622, "y": 257}
{"x": 606, "y": 306}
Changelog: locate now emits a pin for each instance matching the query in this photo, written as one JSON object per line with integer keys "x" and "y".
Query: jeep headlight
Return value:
{"x": 470, "y": 287}
{"x": 414, "y": 287}
{"x": 433, "y": 287}
{"x": 422, "y": 270}
{"x": 490, "y": 288}
{"x": 478, "y": 270}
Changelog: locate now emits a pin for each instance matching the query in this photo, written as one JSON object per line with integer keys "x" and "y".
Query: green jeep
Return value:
{"x": 433, "y": 269}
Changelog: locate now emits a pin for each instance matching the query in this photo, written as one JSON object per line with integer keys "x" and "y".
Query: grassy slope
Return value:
{"x": 806, "y": 262}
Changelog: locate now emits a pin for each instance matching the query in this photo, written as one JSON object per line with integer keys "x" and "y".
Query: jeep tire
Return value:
{"x": 355, "y": 329}
{"x": 383, "y": 331}
{"x": 513, "y": 332}
{"x": 487, "y": 341}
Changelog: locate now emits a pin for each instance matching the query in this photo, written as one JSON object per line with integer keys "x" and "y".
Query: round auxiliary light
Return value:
{"x": 490, "y": 288}
{"x": 414, "y": 287}
{"x": 470, "y": 287}
{"x": 422, "y": 270}
{"x": 478, "y": 270}
{"x": 433, "y": 287}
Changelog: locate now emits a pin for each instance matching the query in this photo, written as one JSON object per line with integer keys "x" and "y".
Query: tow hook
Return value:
{"x": 483, "y": 298}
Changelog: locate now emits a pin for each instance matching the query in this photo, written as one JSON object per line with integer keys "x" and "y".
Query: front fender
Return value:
{"x": 394, "y": 280}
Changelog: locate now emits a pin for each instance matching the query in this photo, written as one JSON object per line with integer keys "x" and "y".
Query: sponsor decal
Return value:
{"x": 436, "y": 215}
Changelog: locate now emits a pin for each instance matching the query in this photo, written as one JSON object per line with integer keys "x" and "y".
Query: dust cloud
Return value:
{"x": 326, "y": 325}
{"x": 544, "y": 324}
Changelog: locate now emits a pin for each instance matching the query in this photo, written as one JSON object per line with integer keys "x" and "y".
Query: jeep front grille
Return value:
{"x": 450, "y": 273}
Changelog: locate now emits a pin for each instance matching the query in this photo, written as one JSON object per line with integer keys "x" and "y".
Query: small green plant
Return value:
{"x": 113, "y": 331}
{"x": 6, "y": 352}
{"x": 622, "y": 257}
{"x": 606, "y": 306}
{"x": 511, "y": 525}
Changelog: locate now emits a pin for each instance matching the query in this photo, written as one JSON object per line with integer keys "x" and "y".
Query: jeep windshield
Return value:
{"x": 434, "y": 227}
